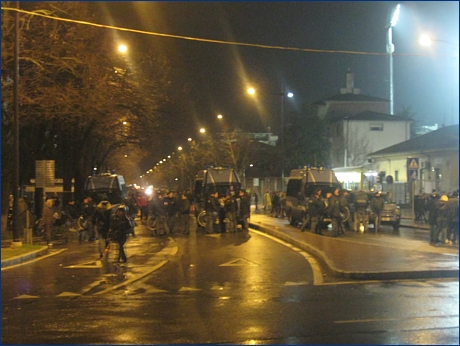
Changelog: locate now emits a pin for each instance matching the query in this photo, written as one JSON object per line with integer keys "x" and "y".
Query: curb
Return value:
{"x": 22, "y": 258}
{"x": 322, "y": 257}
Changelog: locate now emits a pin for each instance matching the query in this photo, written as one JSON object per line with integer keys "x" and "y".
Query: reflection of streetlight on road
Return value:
{"x": 391, "y": 48}
{"x": 283, "y": 94}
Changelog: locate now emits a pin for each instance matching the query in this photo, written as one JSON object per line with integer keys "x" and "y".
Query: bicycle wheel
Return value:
{"x": 201, "y": 218}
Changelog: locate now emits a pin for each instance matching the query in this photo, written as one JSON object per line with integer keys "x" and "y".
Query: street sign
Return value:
{"x": 412, "y": 174}
{"x": 413, "y": 163}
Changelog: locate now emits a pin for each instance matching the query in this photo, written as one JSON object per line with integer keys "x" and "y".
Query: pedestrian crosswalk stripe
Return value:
{"x": 68, "y": 294}
{"x": 87, "y": 265}
{"x": 289, "y": 283}
{"x": 184, "y": 289}
{"x": 26, "y": 296}
{"x": 239, "y": 262}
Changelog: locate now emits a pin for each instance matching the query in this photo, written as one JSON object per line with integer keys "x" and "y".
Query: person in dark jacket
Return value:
{"x": 377, "y": 204}
{"x": 244, "y": 210}
{"x": 88, "y": 212}
{"x": 230, "y": 208}
{"x": 336, "y": 208}
{"x": 441, "y": 219}
{"x": 211, "y": 206}
{"x": 432, "y": 217}
{"x": 120, "y": 226}
{"x": 452, "y": 218}
{"x": 170, "y": 206}
{"x": 360, "y": 206}
{"x": 159, "y": 213}
{"x": 316, "y": 208}
{"x": 103, "y": 213}
{"x": 183, "y": 207}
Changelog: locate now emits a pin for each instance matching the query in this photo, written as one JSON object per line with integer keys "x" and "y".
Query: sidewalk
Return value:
{"x": 370, "y": 256}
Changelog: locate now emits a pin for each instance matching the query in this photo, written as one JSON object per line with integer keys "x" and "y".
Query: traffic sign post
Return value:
{"x": 412, "y": 176}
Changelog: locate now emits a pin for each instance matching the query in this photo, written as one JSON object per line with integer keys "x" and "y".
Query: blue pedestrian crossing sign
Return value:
{"x": 413, "y": 174}
{"x": 412, "y": 163}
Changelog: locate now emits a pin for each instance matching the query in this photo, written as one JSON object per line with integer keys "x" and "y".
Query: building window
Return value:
{"x": 396, "y": 175}
{"x": 337, "y": 130}
{"x": 375, "y": 127}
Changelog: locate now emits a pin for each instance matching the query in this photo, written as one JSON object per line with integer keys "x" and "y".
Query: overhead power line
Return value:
{"x": 256, "y": 45}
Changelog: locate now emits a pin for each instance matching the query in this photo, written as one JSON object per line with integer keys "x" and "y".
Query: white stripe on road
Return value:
{"x": 33, "y": 260}
{"x": 317, "y": 273}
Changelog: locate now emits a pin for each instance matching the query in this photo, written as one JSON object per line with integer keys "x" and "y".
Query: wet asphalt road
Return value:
{"x": 222, "y": 289}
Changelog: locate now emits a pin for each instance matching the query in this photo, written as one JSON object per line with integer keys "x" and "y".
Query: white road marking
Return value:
{"x": 127, "y": 282}
{"x": 317, "y": 273}
{"x": 300, "y": 283}
{"x": 34, "y": 260}
{"x": 239, "y": 262}
{"x": 87, "y": 265}
{"x": 26, "y": 296}
{"x": 68, "y": 294}
{"x": 188, "y": 289}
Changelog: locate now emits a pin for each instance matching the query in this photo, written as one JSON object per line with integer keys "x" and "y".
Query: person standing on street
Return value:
{"x": 452, "y": 218}
{"x": 230, "y": 208}
{"x": 377, "y": 206}
{"x": 336, "y": 207}
{"x": 244, "y": 210}
{"x": 170, "y": 206}
{"x": 142, "y": 203}
{"x": 267, "y": 201}
{"x": 88, "y": 212}
{"x": 211, "y": 206}
{"x": 441, "y": 219}
{"x": 276, "y": 204}
{"x": 432, "y": 217}
{"x": 315, "y": 211}
{"x": 120, "y": 226}
{"x": 183, "y": 206}
{"x": 361, "y": 204}
{"x": 103, "y": 213}
{"x": 256, "y": 200}
{"x": 47, "y": 220}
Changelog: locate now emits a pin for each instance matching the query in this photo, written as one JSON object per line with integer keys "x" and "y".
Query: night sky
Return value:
{"x": 425, "y": 79}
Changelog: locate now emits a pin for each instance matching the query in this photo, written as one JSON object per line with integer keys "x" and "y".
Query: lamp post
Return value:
{"x": 282, "y": 94}
{"x": 391, "y": 48}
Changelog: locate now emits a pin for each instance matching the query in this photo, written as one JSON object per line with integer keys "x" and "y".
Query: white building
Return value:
{"x": 430, "y": 161}
{"x": 359, "y": 125}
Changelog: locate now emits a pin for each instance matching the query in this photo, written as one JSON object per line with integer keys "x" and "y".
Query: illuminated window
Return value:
{"x": 375, "y": 127}
{"x": 396, "y": 175}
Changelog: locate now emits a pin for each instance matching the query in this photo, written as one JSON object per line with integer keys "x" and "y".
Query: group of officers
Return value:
{"x": 347, "y": 211}
{"x": 171, "y": 211}
{"x": 224, "y": 213}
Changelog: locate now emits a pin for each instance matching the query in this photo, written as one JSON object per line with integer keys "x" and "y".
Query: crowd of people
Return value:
{"x": 229, "y": 213}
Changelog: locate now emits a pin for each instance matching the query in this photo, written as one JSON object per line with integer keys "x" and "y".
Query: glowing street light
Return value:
{"x": 219, "y": 116}
{"x": 251, "y": 91}
{"x": 202, "y": 130}
{"x": 122, "y": 48}
{"x": 391, "y": 48}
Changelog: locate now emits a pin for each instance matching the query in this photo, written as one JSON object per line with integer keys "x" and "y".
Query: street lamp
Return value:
{"x": 283, "y": 94}
{"x": 391, "y": 48}
{"x": 122, "y": 48}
